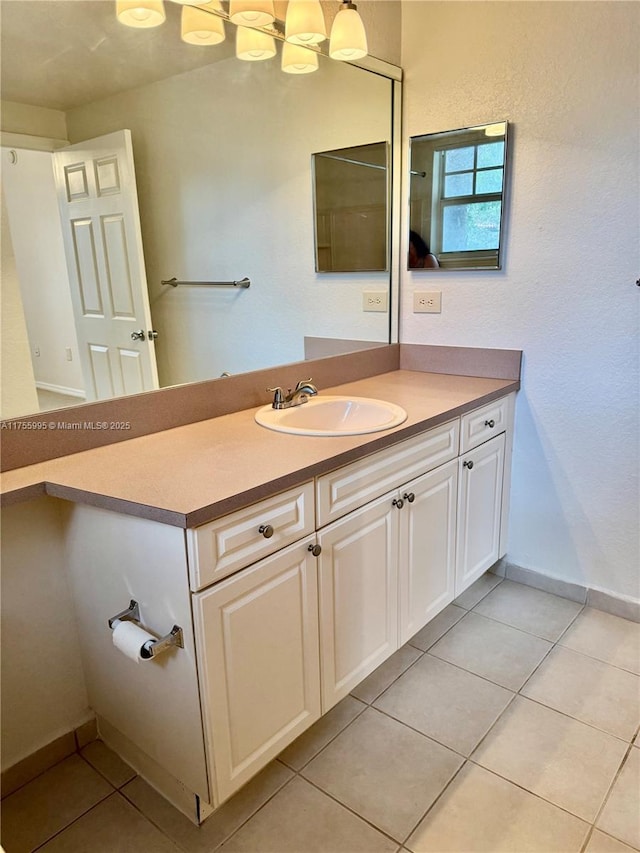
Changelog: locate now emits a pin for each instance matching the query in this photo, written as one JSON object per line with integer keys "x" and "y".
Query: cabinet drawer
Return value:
{"x": 482, "y": 424}
{"x": 230, "y": 543}
{"x": 354, "y": 485}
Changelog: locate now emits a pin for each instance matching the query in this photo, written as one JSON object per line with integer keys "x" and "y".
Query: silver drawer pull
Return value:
{"x": 468, "y": 465}
{"x": 490, "y": 423}
{"x": 266, "y": 530}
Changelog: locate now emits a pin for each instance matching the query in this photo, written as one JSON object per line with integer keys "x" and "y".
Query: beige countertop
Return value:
{"x": 191, "y": 474}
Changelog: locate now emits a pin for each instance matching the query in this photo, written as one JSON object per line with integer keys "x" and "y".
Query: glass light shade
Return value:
{"x": 304, "y": 23}
{"x": 140, "y": 13}
{"x": 254, "y": 46}
{"x": 348, "y": 38}
{"x": 252, "y": 13}
{"x": 200, "y": 27}
{"x": 298, "y": 60}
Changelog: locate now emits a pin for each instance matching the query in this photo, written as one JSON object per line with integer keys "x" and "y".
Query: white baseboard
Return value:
{"x": 60, "y": 389}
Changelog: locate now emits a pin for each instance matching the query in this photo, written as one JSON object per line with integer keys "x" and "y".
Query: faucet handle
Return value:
{"x": 278, "y": 398}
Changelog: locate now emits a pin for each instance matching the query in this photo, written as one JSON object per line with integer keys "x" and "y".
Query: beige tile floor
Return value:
{"x": 509, "y": 723}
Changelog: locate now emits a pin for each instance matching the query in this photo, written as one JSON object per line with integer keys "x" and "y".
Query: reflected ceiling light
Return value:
{"x": 202, "y": 27}
{"x": 297, "y": 59}
{"x": 348, "y": 38}
{"x": 252, "y": 13}
{"x": 494, "y": 129}
{"x": 304, "y": 23}
{"x": 140, "y": 13}
{"x": 254, "y": 46}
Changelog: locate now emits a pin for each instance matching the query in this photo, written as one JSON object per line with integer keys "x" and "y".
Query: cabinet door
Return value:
{"x": 358, "y": 596}
{"x": 427, "y": 547}
{"x": 257, "y": 638}
{"x": 479, "y": 511}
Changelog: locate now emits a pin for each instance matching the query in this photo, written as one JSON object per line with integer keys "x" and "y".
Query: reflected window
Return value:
{"x": 456, "y": 199}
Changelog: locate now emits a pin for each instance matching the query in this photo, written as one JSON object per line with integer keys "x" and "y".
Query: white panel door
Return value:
{"x": 257, "y": 635}
{"x": 479, "y": 511}
{"x": 98, "y": 203}
{"x": 358, "y": 596}
{"x": 427, "y": 547}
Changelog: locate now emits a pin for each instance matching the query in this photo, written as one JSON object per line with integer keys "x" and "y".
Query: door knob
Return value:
{"x": 152, "y": 334}
{"x": 138, "y": 336}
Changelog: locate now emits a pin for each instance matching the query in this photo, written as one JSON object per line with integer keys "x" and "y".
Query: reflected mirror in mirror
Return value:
{"x": 221, "y": 152}
{"x": 351, "y": 192}
{"x": 456, "y": 198}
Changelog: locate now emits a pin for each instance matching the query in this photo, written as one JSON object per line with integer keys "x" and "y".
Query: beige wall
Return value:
{"x": 565, "y": 75}
{"x": 34, "y": 121}
{"x": 16, "y": 373}
{"x": 43, "y": 692}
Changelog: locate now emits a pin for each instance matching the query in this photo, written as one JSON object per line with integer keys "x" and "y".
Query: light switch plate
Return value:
{"x": 427, "y": 302}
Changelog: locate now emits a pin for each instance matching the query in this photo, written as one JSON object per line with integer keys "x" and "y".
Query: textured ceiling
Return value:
{"x": 64, "y": 53}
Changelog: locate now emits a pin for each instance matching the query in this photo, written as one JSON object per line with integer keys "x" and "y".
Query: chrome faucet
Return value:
{"x": 301, "y": 393}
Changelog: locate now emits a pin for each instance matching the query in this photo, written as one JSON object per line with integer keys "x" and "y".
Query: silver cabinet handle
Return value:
{"x": 139, "y": 335}
{"x": 398, "y": 502}
{"x": 490, "y": 423}
{"x": 409, "y": 496}
{"x": 316, "y": 550}
{"x": 468, "y": 465}
{"x": 266, "y": 530}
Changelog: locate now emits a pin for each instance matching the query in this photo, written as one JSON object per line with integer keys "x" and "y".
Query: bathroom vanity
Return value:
{"x": 294, "y": 566}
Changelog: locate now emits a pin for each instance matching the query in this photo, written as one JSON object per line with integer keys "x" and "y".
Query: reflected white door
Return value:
{"x": 96, "y": 188}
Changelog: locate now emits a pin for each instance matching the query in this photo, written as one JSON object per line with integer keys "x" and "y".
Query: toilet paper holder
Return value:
{"x": 153, "y": 648}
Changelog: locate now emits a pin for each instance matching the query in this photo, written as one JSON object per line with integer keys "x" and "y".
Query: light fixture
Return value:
{"x": 257, "y": 29}
{"x": 297, "y": 59}
{"x": 304, "y": 23}
{"x": 348, "y": 38}
{"x": 253, "y": 45}
{"x": 251, "y": 13}
{"x": 140, "y": 13}
{"x": 200, "y": 26}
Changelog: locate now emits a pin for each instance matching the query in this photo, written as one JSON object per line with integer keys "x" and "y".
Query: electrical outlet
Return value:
{"x": 69, "y": 353}
{"x": 375, "y": 300}
{"x": 427, "y": 302}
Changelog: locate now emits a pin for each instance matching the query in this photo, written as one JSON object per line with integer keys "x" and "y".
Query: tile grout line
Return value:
{"x": 75, "y": 820}
{"x": 609, "y": 791}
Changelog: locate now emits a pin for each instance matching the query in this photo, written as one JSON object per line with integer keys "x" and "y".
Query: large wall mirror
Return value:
{"x": 456, "y": 198}
{"x": 222, "y": 152}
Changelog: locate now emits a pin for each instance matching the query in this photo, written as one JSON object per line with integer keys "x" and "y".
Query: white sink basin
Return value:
{"x": 326, "y": 415}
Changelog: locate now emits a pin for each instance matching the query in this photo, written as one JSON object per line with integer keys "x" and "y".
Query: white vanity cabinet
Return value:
{"x": 484, "y": 486}
{"x": 257, "y": 642}
{"x": 387, "y": 567}
{"x": 275, "y": 630}
{"x": 358, "y": 585}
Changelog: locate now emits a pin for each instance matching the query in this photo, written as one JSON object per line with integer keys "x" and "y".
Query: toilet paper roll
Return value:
{"x": 129, "y": 638}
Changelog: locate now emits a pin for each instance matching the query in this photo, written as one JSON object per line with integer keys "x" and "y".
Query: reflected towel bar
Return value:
{"x": 244, "y": 282}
